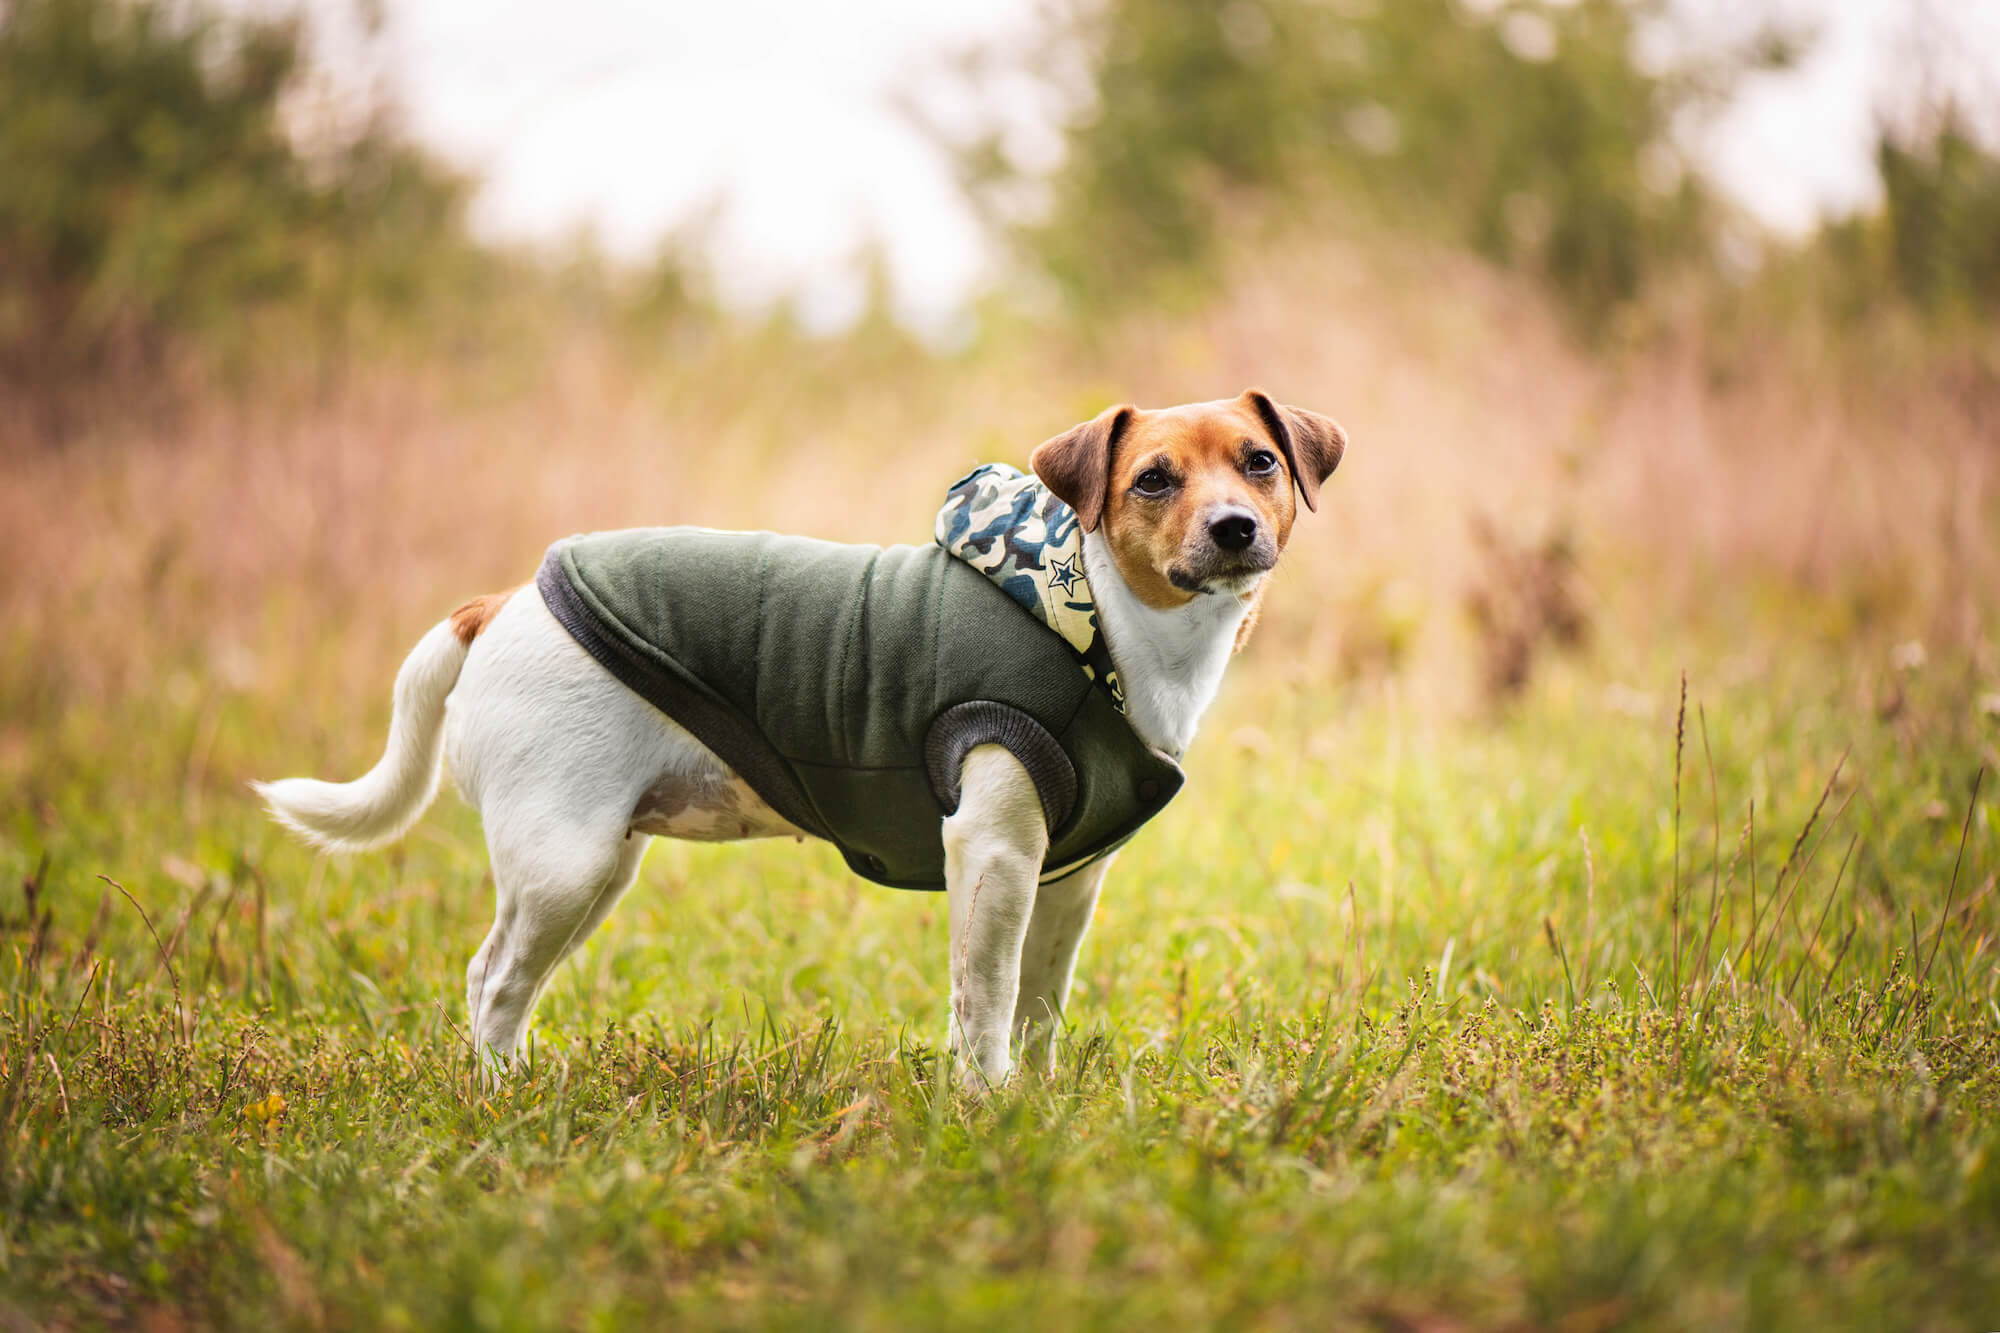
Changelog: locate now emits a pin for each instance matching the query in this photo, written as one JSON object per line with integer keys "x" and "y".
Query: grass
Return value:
{"x": 1588, "y": 1011}
{"x": 1377, "y": 1027}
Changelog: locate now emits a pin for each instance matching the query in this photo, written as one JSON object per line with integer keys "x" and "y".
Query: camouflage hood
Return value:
{"x": 1013, "y": 529}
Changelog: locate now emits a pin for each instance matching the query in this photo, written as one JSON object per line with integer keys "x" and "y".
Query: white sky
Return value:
{"x": 634, "y": 116}
{"x": 1798, "y": 143}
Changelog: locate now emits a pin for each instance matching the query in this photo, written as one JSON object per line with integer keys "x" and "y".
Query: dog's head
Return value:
{"x": 1195, "y": 499}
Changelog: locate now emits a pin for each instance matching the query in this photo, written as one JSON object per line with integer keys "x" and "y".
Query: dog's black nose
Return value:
{"x": 1233, "y": 532}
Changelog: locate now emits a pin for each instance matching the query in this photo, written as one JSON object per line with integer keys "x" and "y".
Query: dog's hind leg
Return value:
{"x": 622, "y": 878}
{"x": 553, "y": 890}
{"x": 556, "y": 754}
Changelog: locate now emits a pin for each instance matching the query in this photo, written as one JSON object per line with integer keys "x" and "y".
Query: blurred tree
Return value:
{"x": 1527, "y": 130}
{"x": 150, "y": 195}
{"x": 1941, "y": 214}
{"x": 1930, "y": 248}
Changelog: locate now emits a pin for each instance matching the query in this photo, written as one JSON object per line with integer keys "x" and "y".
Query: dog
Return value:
{"x": 792, "y": 688}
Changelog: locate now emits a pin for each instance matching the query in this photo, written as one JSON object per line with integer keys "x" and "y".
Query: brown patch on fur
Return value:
{"x": 707, "y": 807}
{"x": 471, "y": 620}
{"x": 1076, "y": 464}
{"x": 1202, "y": 447}
{"x": 1250, "y": 617}
{"x": 1206, "y": 451}
{"x": 1312, "y": 444}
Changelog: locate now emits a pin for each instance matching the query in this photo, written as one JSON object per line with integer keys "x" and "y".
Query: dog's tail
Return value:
{"x": 380, "y": 806}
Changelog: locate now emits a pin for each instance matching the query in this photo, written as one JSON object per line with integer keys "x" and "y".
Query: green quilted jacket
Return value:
{"x": 846, "y": 684}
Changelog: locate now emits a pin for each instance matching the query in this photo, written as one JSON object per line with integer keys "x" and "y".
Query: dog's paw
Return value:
{"x": 495, "y": 1070}
{"x": 982, "y": 1061}
{"x": 976, "y": 1078}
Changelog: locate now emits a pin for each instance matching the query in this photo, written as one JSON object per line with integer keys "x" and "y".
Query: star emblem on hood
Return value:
{"x": 1064, "y": 574}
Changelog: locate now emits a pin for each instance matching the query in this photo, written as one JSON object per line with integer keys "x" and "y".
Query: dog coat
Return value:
{"x": 846, "y": 684}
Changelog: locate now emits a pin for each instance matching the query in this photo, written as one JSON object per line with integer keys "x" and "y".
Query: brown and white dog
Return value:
{"x": 1185, "y": 512}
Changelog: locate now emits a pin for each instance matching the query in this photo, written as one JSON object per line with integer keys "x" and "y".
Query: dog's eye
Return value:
{"x": 1152, "y": 482}
{"x": 1261, "y": 462}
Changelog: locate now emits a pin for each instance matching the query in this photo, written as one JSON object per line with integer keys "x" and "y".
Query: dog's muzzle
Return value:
{"x": 1233, "y": 550}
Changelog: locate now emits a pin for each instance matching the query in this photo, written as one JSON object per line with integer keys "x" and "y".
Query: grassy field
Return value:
{"x": 1379, "y": 1027}
{"x": 1427, "y": 1006}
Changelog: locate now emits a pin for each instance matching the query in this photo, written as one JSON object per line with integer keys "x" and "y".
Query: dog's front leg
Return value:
{"x": 993, "y": 849}
{"x": 1063, "y": 910}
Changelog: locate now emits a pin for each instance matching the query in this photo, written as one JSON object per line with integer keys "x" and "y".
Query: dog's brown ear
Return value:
{"x": 1076, "y": 464}
{"x": 1312, "y": 444}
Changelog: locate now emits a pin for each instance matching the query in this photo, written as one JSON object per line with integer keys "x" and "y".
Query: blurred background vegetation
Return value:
{"x": 1529, "y": 136}
{"x": 246, "y": 341}
{"x": 156, "y": 204}
{"x": 1542, "y": 137}
{"x": 165, "y": 193}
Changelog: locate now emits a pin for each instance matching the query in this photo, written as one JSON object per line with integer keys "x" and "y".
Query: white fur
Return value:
{"x": 993, "y": 849}
{"x": 380, "y": 806}
{"x": 556, "y": 754}
{"x": 1170, "y": 662}
{"x": 1063, "y": 909}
